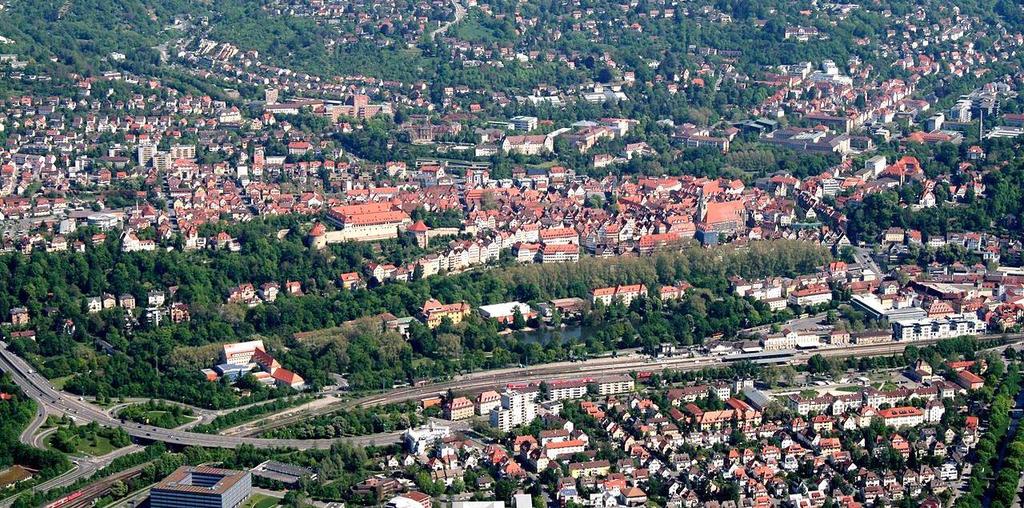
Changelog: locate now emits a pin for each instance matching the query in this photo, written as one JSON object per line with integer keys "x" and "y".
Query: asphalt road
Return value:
{"x": 460, "y": 12}
{"x": 28, "y": 435}
{"x": 201, "y": 415}
{"x": 863, "y": 257}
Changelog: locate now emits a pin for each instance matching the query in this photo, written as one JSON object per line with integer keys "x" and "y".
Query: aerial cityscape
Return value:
{"x": 511, "y": 254}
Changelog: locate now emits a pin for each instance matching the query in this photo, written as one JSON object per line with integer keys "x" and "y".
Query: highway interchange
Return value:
{"x": 57, "y": 402}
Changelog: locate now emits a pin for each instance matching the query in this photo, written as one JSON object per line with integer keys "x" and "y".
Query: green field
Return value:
{"x": 887, "y": 386}
{"x": 160, "y": 414}
{"x": 95, "y": 446}
{"x": 261, "y": 501}
{"x": 473, "y": 28}
{"x": 59, "y": 382}
{"x": 156, "y": 416}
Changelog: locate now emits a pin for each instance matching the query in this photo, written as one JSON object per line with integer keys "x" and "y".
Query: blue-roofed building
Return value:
{"x": 233, "y": 371}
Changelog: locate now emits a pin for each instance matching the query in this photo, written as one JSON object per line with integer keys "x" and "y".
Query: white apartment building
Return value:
{"x": 626, "y": 294}
{"x": 516, "y": 409}
{"x": 419, "y": 440}
{"x": 560, "y": 253}
{"x": 145, "y": 153}
{"x": 902, "y": 416}
{"x": 487, "y": 401}
{"x": 615, "y": 385}
{"x": 804, "y": 406}
{"x": 183, "y": 151}
{"x": 937, "y": 328}
{"x": 524, "y": 123}
{"x": 563, "y": 390}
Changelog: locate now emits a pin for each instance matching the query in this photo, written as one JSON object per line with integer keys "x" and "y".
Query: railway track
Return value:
{"x": 481, "y": 382}
{"x": 85, "y": 497}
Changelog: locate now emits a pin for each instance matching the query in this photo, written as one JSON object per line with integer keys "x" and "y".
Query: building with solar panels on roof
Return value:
{"x": 201, "y": 487}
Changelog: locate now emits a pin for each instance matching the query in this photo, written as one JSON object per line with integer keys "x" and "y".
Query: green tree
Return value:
{"x": 518, "y": 320}
{"x": 118, "y": 489}
{"x": 817, "y": 364}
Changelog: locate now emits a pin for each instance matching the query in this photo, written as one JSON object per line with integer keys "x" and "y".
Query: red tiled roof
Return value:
{"x": 897, "y": 412}
{"x": 419, "y": 227}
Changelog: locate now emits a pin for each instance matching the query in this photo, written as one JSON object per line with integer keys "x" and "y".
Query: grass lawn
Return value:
{"x": 155, "y": 416}
{"x": 160, "y": 414}
{"x": 851, "y": 389}
{"x": 887, "y": 386}
{"x": 59, "y": 382}
{"x": 93, "y": 445}
{"x": 96, "y": 447}
{"x": 808, "y": 394}
{"x": 260, "y": 501}
{"x": 545, "y": 165}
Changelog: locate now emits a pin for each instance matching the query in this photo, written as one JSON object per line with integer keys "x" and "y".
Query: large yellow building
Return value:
{"x": 434, "y": 312}
{"x": 594, "y": 468}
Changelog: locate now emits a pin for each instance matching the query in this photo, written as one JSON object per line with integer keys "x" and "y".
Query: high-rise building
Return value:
{"x": 516, "y": 409}
{"x": 183, "y": 152}
{"x": 162, "y": 161}
{"x": 145, "y": 153}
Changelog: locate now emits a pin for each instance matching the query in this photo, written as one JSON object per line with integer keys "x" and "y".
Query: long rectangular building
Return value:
{"x": 905, "y": 416}
{"x": 614, "y": 385}
{"x": 202, "y": 487}
{"x": 938, "y": 328}
{"x": 368, "y": 222}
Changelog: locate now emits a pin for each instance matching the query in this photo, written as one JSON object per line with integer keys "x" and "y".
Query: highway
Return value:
{"x": 200, "y": 415}
{"x": 56, "y": 402}
{"x": 28, "y": 435}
